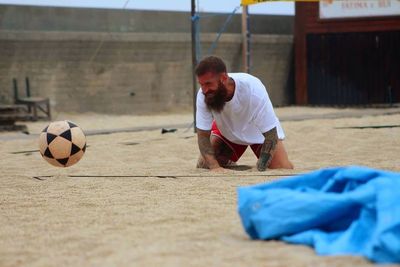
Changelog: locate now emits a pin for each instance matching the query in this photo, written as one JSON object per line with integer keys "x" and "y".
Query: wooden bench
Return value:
{"x": 9, "y": 114}
{"x": 34, "y": 104}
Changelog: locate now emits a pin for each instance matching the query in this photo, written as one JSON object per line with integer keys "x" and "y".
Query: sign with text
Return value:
{"x": 329, "y": 9}
{"x": 252, "y": 2}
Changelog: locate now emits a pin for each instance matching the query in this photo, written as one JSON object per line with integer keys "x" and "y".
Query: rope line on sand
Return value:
{"x": 24, "y": 152}
{"x": 370, "y": 127}
{"x": 41, "y": 178}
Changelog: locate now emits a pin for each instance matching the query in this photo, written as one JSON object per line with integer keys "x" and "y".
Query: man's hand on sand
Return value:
{"x": 262, "y": 163}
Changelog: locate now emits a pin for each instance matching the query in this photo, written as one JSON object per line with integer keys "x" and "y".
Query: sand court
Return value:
{"x": 136, "y": 198}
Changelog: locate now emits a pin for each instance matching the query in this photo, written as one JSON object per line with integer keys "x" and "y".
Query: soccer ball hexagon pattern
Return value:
{"x": 62, "y": 143}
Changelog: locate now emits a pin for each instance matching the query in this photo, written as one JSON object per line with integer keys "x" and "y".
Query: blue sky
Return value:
{"x": 227, "y": 6}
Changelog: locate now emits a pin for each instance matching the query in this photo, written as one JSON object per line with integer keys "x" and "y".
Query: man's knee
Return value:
{"x": 281, "y": 165}
{"x": 280, "y": 160}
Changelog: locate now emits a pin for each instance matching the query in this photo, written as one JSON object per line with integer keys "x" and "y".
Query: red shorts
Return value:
{"x": 237, "y": 149}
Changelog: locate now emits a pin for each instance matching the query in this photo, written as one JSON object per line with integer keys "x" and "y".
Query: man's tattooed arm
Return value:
{"x": 267, "y": 149}
{"x": 206, "y": 150}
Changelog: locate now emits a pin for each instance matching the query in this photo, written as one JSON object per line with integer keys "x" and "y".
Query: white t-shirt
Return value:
{"x": 246, "y": 116}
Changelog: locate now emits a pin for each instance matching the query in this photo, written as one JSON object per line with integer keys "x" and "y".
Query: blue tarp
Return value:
{"x": 347, "y": 210}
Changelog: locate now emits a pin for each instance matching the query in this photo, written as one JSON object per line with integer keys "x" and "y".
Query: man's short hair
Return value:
{"x": 210, "y": 64}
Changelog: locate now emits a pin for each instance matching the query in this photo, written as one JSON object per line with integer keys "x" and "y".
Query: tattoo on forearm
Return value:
{"x": 264, "y": 161}
{"x": 205, "y": 144}
{"x": 206, "y": 149}
{"x": 268, "y": 149}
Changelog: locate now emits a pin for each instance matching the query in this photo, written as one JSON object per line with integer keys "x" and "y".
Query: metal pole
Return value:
{"x": 16, "y": 96}
{"x": 194, "y": 60}
{"x": 245, "y": 40}
{"x": 248, "y": 34}
{"x": 27, "y": 87}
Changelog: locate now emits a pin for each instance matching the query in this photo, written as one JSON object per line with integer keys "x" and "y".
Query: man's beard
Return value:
{"x": 217, "y": 99}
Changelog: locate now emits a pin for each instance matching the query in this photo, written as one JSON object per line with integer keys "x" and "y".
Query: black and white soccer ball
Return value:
{"x": 62, "y": 143}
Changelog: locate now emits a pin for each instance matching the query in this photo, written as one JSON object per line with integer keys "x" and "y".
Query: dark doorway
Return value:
{"x": 353, "y": 68}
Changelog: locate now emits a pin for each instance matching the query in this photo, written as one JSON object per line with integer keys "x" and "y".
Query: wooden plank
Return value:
{"x": 307, "y": 21}
{"x": 29, "y": 100}
{"x": 13, "y": 128}
{"x": 300, "y": 54}
{"x": 245, "y": 40}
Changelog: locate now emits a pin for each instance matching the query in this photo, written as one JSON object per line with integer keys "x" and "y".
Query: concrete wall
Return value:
{"x": 131, "y": 72}
{"x": 30, "y": 18}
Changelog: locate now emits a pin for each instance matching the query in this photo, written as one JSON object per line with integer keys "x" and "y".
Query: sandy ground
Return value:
{"x": 187, "y": 219}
